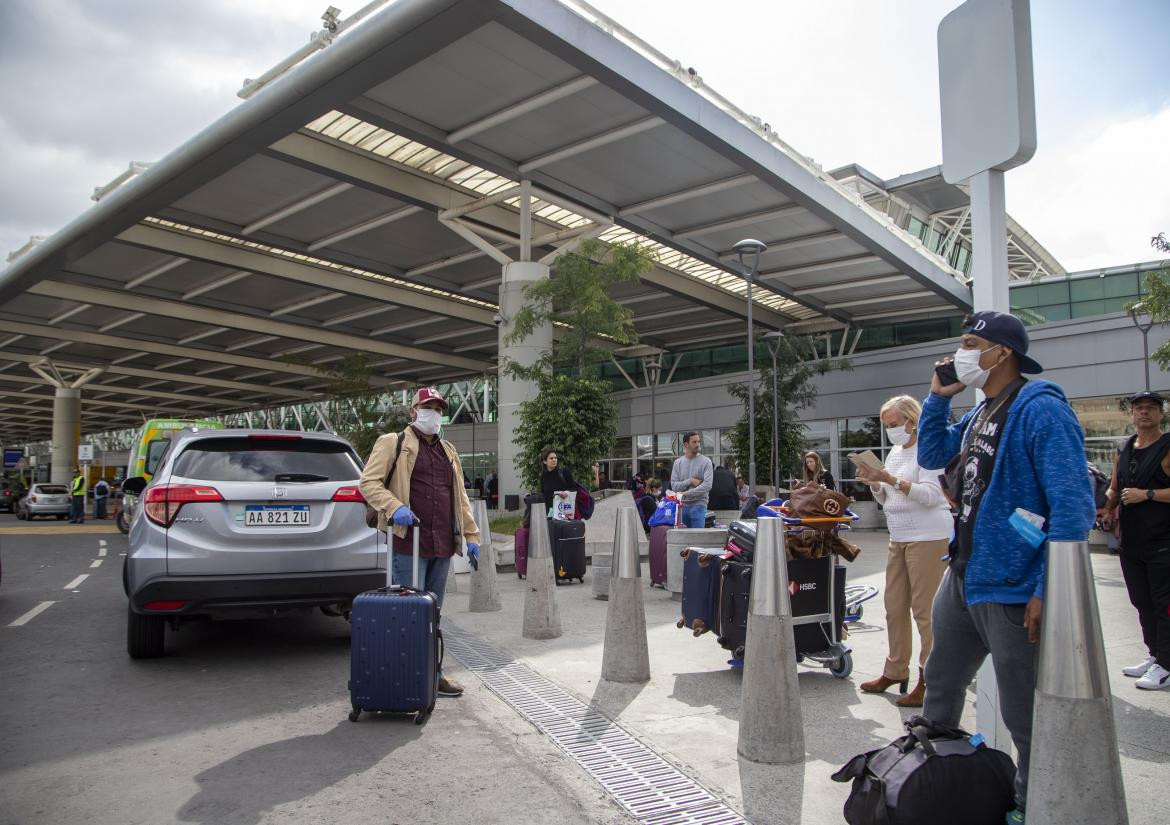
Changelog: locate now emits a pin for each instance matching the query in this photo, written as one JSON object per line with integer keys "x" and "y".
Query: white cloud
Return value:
{"x": 1095, "y": 199}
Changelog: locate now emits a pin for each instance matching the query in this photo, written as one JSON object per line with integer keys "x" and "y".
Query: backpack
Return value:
{"x": 584, "y": 502}
{"x": 932, "y": 774}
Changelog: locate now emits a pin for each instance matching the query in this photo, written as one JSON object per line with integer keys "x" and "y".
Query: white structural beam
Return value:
{"x": 363, "y": 227}
{"x": 858, "y": 283}
{"x": 354, "y": 316}
{"x": 387, "y": 290}
{"x": 522, "y": 107}
{"x": 738, "y": 221}
{"x": 789, "y": 244}
{"x": 199, "y": 336}
{"x": 125, "y": 319}
{"x": 818, "y": 266}
{"x": 151, "y": 274}
{"x": 857, "y": 302}
{"x": 297, "y": 306}
{"x": 69, "y": 313}
{"x": 210, "y": 286}
{"x": 294, "y": 208}
{"x": 590, "y": 143}
{"x": 700, "y": 191}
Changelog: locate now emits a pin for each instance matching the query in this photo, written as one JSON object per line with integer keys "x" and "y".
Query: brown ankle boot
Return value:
{"x": 914, "y": 698}
{"x": 882, "y": 683}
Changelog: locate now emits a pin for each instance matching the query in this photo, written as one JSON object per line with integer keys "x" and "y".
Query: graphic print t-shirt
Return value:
{"x": 982, "y": 445}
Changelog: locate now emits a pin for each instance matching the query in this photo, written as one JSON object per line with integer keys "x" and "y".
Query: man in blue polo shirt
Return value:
{"x": 1022, "y": 447}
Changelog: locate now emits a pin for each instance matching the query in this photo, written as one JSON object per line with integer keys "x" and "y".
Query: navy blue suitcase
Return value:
{"x": 700, "y": 596}
{"x": 395, "y": 651}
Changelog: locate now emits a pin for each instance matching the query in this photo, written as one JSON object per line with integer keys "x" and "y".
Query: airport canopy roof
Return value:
{"x": 345, "y": 206}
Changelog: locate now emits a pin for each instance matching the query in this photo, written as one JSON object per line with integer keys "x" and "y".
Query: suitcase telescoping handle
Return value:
{"x": 414, "y": 560}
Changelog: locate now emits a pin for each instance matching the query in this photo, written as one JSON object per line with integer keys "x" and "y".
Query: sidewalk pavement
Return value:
{"x": 688, "y": 711}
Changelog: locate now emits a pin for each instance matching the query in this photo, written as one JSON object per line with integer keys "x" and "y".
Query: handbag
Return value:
{"x": 666, "y": 513}
{"x": 812, "y": 500}
{"x": 371, "y": 513}
{"x": 584, "y": 502}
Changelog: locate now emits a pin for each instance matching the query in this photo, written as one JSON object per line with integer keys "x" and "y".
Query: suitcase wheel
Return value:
{"x": 354, "y": 714}
{"x": 680, "y": 623}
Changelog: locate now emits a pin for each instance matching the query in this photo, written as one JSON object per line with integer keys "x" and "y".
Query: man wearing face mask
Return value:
{"x": 422, "y": 479}
{"x": 1021, "y": 447}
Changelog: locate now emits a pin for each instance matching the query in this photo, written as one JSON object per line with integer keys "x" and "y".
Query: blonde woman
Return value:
{"x": 920, "y": 527}
{"x": 813, "y": 469}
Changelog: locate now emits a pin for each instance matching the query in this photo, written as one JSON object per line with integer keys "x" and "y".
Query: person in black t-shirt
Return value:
{"x": 1141, "y": 484}
{"x": 555, "y": 478}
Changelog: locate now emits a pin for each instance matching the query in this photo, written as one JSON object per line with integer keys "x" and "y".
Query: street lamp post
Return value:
{"x": 653, "y": 368}
{"x": 749, "y": 251}
{"x": 773, "y": 339}
{"x": 1144, "y": 329}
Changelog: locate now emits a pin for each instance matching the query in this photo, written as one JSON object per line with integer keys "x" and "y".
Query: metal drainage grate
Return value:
{"x": 650, "y": 788}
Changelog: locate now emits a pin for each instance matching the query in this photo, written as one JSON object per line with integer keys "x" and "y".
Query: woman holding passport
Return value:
{"x": 920, "y": 525}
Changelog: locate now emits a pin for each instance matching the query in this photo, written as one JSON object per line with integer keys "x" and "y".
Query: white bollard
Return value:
{"x": 771, "y": 726}
{"x": 626, "y": 657}
{"x": 1074, "y": 775}
{"x": 542, "y": 620}
{"x": 485, "y": 591}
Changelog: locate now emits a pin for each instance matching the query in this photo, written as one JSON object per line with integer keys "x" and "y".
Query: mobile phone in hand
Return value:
{"x": 946, "y": 374}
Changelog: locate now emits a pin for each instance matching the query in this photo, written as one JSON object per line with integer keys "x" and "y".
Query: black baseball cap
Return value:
{"x": 1147, "y": 395}
{"x": 1006, "y": 329}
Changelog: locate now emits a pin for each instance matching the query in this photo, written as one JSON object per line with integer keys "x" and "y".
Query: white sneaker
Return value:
{"x": 1156, "y": 678}
{"x": 1139, "y": 669}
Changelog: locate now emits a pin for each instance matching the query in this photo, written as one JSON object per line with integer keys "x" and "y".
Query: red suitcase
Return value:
{"x": 658, "y": 554}
{"x": 521, "y": 552}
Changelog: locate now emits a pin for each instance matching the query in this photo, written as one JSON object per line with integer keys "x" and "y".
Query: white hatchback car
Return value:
{"x": 247, "y": 523}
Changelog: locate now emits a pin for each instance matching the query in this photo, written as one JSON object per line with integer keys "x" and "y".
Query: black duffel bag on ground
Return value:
{"x": 933, "y": 774}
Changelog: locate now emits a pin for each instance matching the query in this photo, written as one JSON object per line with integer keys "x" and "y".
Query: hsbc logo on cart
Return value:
{"x": 793, "y": 587}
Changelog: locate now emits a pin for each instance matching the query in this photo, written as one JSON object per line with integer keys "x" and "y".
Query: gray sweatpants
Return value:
{"x": 963, "y": 637}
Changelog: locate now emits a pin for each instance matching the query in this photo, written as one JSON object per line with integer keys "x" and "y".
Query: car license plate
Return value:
{"x": 276, "y": 515}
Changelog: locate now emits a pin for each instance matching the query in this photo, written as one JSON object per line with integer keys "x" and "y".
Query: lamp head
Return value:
{"x": 749, "y": 250}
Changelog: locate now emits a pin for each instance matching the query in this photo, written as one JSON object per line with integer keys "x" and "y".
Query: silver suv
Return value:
{"x": 244, "y": 524}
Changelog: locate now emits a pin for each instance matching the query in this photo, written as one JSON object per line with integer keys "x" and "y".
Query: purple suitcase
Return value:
{"x": 658, "y": 554}
{"x": 521, "y": 552}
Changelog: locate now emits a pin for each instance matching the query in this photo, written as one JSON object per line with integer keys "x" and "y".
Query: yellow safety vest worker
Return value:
{"x": 79, "y": 485}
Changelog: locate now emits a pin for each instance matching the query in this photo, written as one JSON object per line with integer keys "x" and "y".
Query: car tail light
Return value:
{"x": 275, "y": 437}
{"x": 168, "y": 605}
{"x": 348, "y": 494}
{"x": 163, "y": 502}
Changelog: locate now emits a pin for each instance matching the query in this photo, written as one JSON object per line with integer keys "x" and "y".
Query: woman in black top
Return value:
{"x": 554, "y": 478}
{"x": 814, "y": 470}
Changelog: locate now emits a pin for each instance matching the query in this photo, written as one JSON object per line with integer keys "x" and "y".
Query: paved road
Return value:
{"x": 242, "y": 722}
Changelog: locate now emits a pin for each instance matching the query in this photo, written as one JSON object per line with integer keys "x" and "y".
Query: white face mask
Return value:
{"x": 427, "y": 421}
{"x": 968, "y": 369}
{"x": 897, "y": 435}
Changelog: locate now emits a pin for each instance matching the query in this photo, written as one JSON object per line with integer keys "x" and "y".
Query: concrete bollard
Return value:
{"x": 626, "y": 657}
{"x": 602, "y": 564}
{"x": 542, "y": 620}
{"x": 485, "y": 591}
{"x": 1074, "y": 773}
{"x": 771, "y": 726}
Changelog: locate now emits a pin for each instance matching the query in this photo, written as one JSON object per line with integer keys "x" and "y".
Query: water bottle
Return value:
{"x": 1028, "y": 525}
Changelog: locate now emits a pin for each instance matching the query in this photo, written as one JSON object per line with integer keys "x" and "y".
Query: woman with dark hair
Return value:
{"x": 813, "y": 469}
{"x": 554, "y": 478}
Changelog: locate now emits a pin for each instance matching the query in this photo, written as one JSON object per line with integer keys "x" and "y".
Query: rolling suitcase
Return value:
{"x": 741, "y": 539}
{"x": 658, "y": 554}
{"x": 395, "y": 650}
{"x": 700, "y": 596}
{"x": 813, "y": 638}
{"x": 521, "y": 547}
{"x": 568, "y": 549}
{"x": 734, "y": 591}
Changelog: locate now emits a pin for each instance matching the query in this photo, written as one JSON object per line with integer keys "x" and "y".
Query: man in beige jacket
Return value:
{"x": 424, "y": 488}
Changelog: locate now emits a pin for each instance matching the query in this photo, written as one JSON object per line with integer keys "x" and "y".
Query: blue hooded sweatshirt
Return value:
{"x": 1039, "y": 466}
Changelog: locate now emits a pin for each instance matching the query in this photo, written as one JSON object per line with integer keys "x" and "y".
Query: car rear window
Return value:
{"x": 262, "y": 459}
{"x": 53, "y": 489}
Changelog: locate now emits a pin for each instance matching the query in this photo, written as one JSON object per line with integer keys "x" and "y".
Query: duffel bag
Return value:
{"x": 810, "y": 500}
{"x": 933, "y": 774}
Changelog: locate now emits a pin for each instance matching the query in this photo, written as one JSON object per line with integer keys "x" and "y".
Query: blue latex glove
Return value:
{"x": 403, "y": 517}
{"x": 473, "y": 555}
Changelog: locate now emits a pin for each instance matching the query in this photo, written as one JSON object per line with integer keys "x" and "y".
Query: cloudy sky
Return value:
{"x": 89, "y": 86}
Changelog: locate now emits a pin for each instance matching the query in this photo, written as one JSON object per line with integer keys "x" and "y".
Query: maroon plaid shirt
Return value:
{"x": 431, "y": 499}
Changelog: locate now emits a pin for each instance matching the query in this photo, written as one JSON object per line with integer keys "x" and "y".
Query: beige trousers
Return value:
{"x": 913, "y": 572}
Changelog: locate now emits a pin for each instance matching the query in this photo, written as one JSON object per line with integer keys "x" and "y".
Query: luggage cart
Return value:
{"x": 816, "y": 589}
